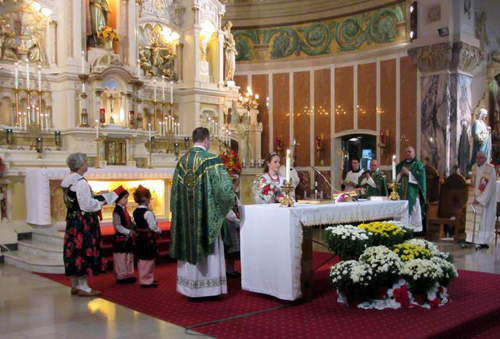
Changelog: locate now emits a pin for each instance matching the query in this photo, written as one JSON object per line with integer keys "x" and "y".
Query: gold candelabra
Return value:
{"x": 394, "y": 194}
{"x": 288, "y": 188}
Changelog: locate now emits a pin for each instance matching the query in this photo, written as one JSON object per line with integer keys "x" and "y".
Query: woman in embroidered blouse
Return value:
{"x": 82, "y": 240}
{"x": 267, "y": 187}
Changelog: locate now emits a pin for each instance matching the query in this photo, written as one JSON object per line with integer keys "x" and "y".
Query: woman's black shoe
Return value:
{"x": 154, "y": 284}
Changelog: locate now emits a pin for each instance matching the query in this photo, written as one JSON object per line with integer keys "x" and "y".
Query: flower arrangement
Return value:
{"x": 431, "y": 248}
{"x": 231, "y": 160}
{"x": 421, "y": 274}
{"x": 385, "y": 264}
{"x": 449, "y": 271}
{"x": 352, "y": 279}
{"x": 347, "y": 241}
{"x": 384, "y": 233}
{"x": 408, "y": 251}
{"x": 108, "y": 34}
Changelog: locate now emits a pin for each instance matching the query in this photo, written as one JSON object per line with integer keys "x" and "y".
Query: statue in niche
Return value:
{"x": 481, "y": 134}
{"x": 8, "y": 47}
{"x": 230, "y": 52}
{"x": 36, "y": 51}
{"x": 99, "y": 10}
{"x": 157, "y": 58}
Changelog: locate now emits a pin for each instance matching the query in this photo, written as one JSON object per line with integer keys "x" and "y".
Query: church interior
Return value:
{"x": 318, "y": 83}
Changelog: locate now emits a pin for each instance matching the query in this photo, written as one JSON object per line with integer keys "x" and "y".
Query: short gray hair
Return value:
{"x": 76, "y": 160}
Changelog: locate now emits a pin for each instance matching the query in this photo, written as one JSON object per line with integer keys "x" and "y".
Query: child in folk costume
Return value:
{"x": 230, "y": 235}
{"x": 147, "y": 232}
{"x": 123, "y": 241}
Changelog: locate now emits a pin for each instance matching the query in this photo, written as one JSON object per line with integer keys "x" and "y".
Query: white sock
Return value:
{"x": 74, "y": 282}
{"x": 82, "y": 284}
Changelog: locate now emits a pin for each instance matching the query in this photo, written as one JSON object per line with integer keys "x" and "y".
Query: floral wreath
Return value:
{"x": 231, "y": 161}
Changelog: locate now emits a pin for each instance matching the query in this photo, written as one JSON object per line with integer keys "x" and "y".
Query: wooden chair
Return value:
{"x": 433, "y": 189}
{"x": 451, "y": 211}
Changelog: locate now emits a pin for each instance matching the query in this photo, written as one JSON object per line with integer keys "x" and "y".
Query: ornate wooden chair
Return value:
{"x": 433, "y": 189}
{"x": 451, "y": 210}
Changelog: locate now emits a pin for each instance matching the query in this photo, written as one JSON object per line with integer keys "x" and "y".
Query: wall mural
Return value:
{"x": 358, "y": 32}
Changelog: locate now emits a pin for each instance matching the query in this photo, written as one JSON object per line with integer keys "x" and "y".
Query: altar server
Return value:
{"x": 411, "y": 176}
{"x": 202, "y": 196}
{"x": 352, "y": 177}
{"x": 123, "y": 240}
{"x": 147, "y": 233}
{"x": 483, "y": 195}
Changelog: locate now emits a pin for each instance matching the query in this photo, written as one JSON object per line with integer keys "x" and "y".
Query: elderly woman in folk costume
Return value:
{"x": 267, "y": 187}
{"x": 82, "y": 239}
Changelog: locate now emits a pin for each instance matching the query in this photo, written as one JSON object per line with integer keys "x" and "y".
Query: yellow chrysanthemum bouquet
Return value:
{"x": 386, "y": 233}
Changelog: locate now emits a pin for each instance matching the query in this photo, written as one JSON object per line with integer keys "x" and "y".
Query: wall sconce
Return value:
{"x": 384, "y": 141}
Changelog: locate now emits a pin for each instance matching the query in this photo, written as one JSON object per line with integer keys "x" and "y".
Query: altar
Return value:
{"x": 44, "y": 204}
{"x": 276, "y": 242}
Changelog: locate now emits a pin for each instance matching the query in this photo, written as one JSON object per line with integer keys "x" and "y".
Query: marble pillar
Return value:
{"x": 446, "y": 106}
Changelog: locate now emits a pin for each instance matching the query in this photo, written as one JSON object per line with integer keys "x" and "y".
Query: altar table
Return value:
{"x": 276, "y": 242}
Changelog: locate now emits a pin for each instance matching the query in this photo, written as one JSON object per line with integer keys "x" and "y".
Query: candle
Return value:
{"x": 16, "y": 72}
{"x": 47, "y": 121}
{"x": 154, "y": 87}
{"x": 171, "y": 92}
{"x": 83, "y": 62}
{"x": 394, "y": 168}
{"x": 382, "y": 138}
{"x": 39, "y": 78}
{"x": 96, "y": 129}
{"x": 178, "y": 129}
{"x": 163, "y": 87}
{"x": 83, "y": 87}
{"x": 25, "y": 121}
{"x": 287, "y": 165}
{"x": 149, "y": 129}
{"x": 27, "y": 74}
{"x": 139, "y": 68}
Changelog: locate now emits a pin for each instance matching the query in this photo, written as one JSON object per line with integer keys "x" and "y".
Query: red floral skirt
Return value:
{"x": 82, "y": 246}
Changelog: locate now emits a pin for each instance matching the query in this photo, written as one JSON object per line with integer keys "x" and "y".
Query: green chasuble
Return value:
{"x": 202, "y": 195}
{"x": 380, "y": 181}
{"x": 409, "y": 191}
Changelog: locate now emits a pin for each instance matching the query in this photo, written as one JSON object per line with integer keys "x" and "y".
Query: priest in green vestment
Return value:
{"x": 202, "y": 196}
{"x": 411, "y": 176}
{"x": 373, "y": 181}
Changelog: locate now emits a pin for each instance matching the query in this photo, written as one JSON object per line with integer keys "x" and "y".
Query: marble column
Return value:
{"x": 446, "y": 102}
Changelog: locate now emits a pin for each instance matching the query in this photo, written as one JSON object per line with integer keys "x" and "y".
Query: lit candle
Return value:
{"x": 171, "y": 92}
{"x": 287, "y": 165}
{"x": 27, "y": 74}
{"x": 154, "y": 87}
{"x": 394, "y": 168}
{"x": 178, "y": 129}
{"x": 25, "y": 120}
{"x": 83, "y": 62}
{"x": 16, "y": 72}
{"x": 83, "y": 87}
{"x": 149, "y": 129}
{"x": 163, "y": 87}
{"x": 39, "y": 78}
{"x": 47, "y": 121}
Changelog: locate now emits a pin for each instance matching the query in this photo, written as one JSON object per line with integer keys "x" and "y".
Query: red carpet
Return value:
{"x": 474, "y": 310}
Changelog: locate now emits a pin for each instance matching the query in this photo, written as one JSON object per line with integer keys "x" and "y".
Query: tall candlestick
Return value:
{"x": 154, "y": 87}
{"x": 171, "y": 92}
{"x": 393, "y": 168}
{"x": 83, "y": 62}
{"x": 39, "y": 77}
{"x": 97, "y": 129}
{"x": 149, "y": 129}
{"x": 163, "y": 87}
{"x": 288, "y": 166}
{"x": 16, "y": 72}
{"x": 27, "y": 74}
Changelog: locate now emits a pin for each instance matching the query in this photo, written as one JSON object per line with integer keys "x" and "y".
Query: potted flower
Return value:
{"x": 346, "y": 241}
{"x": 409, "y": 251}
{"x": 449, "y": 271}
{"x": 386, "y": 266}
{"x": 384, "y": 233}
{"x": 421, "y": 275}
{"x": 431, "y": 248}
{"x": 353, "y": 281}
{"x": 107, "y": 35}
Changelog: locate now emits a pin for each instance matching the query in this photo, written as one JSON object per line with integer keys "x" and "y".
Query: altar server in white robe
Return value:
{"x": 352, "y": 177}
{"x": 483, "y": 195}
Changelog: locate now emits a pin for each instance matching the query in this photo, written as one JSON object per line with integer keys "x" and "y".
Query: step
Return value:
{"x": 41, "y": 249}
{"x": 51, "y": 237}
{"x": 33, "y": 263}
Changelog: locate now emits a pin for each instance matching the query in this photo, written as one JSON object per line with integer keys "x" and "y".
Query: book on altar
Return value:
{"x": 109, "y": 197}
{"x": 378, "y": 198}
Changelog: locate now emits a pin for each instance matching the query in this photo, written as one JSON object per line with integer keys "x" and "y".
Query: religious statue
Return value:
{"x": 36, "y": 51}
{"x": 230, "y": 52}
{"x": 157, "y": 57}
{"x": 8, "y": 48}
{"x": 99, "y": 10}
{"x": 481, "y": 134}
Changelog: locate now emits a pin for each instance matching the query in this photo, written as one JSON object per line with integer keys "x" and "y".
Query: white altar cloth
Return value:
{"x": 271, "y": 239}
{"x": 37, "y": 186}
